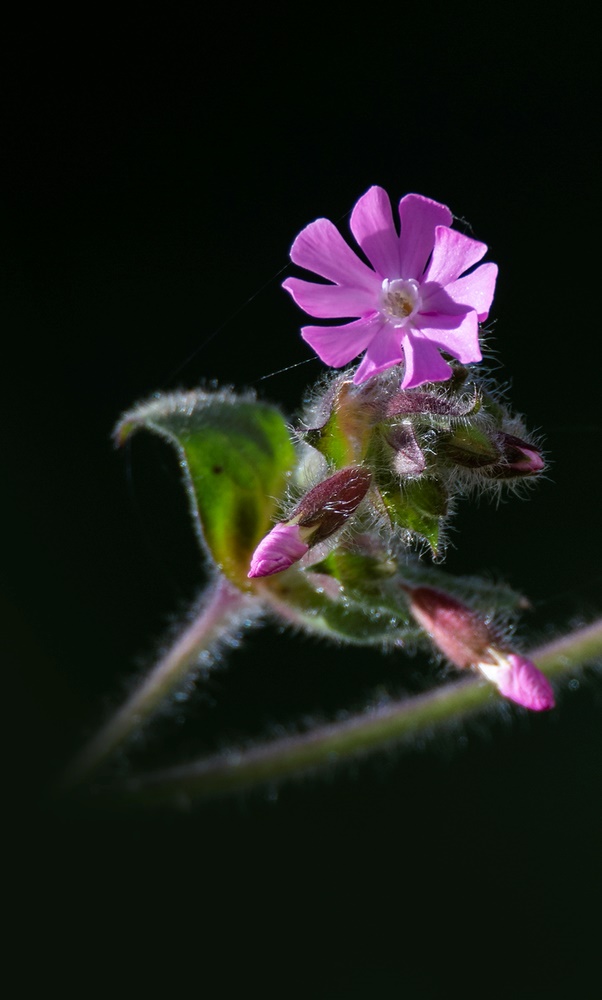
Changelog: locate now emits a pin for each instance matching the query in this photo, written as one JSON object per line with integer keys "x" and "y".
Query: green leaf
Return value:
{"x": 357, "y": 570}
{"x": 360, "y": 616}
{"x": 236, "y": 454}
{"x": 417, "y": 505}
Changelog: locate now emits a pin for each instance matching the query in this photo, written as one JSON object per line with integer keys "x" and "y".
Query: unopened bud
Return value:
{"x": 321, "y": 512}
{"x": 467, "y": 641}
{"x": 518, "y": 458}
{"x": 457, "y": 631}
{"x": 329, "y": 504}
{"x": 417, "y": 401}
{"x": 409, "y": 458}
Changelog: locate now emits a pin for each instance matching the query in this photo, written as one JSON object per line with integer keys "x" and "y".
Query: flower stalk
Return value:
{"x": 395, "y": 722}
{"x": 218, "y": 615}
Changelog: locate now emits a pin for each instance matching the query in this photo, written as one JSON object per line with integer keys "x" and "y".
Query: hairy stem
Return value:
{"x": 395, "y": 722}
{"x": 214, "y": 621}
{"x": 575, "y": 649}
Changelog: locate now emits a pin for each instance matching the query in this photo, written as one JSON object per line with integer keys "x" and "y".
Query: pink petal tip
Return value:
{"x": 279, "y": 549}
{"x": 523, "y": 683}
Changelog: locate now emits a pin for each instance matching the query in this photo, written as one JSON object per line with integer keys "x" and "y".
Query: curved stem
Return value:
{"x": 570, "y": 651}
{"x": 217, "y": 616}
{"x": 397, "y": 721}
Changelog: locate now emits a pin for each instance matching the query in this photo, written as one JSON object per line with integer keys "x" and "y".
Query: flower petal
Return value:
{"x": 419, "y": 218}
{"x": 321, "y": 248}
{"x": 453, "y": 253}
{"x": 474, "y": 291}
{"x": 383, "y": 352}
{"x": 373, "y": 227}
{"x": 282, "y": 547}
{"x": 423, "y": 363}
{"x": 338, "y": 345}
{"x": 329, "y": 301}
{"x": 523, "y": 683}
{"x": 458, "y": 335}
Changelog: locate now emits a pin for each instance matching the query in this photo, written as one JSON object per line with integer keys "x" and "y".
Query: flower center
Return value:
{"x": 399, "y": 300}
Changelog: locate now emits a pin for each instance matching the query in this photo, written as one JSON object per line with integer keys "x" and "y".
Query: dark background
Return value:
{"x": 156, "y": 174}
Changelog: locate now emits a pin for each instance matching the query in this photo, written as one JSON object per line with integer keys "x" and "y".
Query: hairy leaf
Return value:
{"x": 235, "y": 453}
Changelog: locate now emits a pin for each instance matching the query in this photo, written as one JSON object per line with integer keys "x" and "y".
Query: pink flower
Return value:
{"x": 282, "y": 547}
{"x": 411, "y": 304}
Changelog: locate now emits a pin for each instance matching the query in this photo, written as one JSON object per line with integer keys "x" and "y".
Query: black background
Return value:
{"x": 156, "y": 174}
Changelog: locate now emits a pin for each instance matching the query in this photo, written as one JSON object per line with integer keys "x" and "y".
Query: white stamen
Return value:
{"x": 491, "y": 670}
{"x": 400, "y": 300}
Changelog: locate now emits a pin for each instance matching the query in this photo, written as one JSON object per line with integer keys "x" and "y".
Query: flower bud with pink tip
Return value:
{"x": 317, "y": 516}
{"x": 468, "y": 641}
{"x": 519, "y": 458}
{"x": 282, "y": 547}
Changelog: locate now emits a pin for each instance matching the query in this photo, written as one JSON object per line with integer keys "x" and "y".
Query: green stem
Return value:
{"x": 217, "y": 616}
{"x": 570, "y": 651}
{"x": 395, "y": 722}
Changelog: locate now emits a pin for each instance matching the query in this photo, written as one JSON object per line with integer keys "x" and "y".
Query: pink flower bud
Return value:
{"x": 282, "y": 547}
{"x": 465, "y": 639}
{"x": 321, "y": 512}
{"x": 409, "y": 459}
{"x": 520, "y": 458}
{"x": 326, "y": 507}
{"x": 457, "y": 631}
